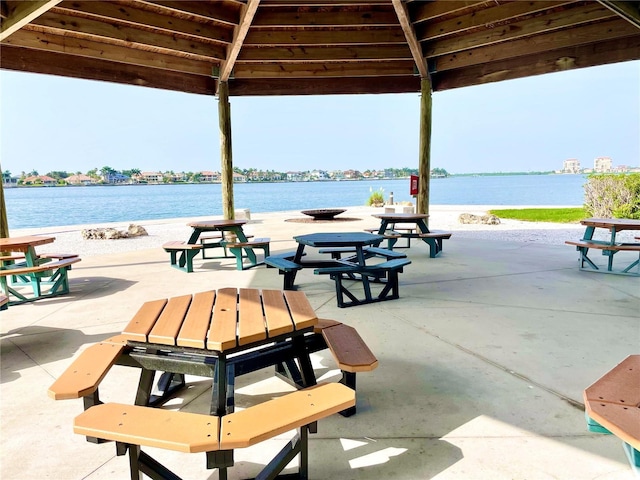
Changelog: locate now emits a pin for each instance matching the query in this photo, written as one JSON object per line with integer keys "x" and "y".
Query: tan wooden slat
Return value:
{"x": 86, "y": 372}
{"x": 222, "y": 331}
{"x": 268, "y": 419}
{"x": 196, "y": 325}
{"x": 251, "y": 326}
{"x": 168, "y": 325}
{"x": 276, "y": 313}
{"x": 619, "y": 385}
{"x": 302, "y": 312}
{"x": 143, "y": 321}
{"x": 348, "y": 349}
{"x": 151, "y": 427}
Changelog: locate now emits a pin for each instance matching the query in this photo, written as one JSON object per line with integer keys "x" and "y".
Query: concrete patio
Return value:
{"x": 482, "y": 365}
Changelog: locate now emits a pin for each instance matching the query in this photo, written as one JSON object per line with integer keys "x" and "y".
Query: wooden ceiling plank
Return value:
{"x": 488, "y": 18}
{"x": 410, "y": 34}
{"x": 117, "y": 53}
{"x": 326, "y": 69}
{"x": 630, "y": 11}
{"x": 119, "y": 14}
{"x": 425, "y": 11}
{"x": 384, "y": 36}
{"x": 239, "y": 35}
{"x": 22, "y": 13}
{"x": 591, "y": 33}
{"x": 322, "y": 3}
{"x": 603, "y": 53}
{"x": 581, "y": 15}
{"x": 381, "y": 16}
{"x": 86, "y": 68}
{"x": 88, "y": 27}
{"x": 321, "y": 54}
{"x": 226, "y": 12}
{"x": 325, "y": 86}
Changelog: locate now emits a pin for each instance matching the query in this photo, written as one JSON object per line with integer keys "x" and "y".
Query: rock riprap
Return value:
{"x": 112, "y": 233}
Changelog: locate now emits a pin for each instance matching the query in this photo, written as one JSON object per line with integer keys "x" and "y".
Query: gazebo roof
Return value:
{"x": 307, "y": 47}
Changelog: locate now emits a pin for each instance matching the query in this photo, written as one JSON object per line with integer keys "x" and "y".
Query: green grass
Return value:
{"x": 555, "y": 215}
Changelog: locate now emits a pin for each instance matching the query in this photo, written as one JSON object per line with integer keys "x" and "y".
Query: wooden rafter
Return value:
{"x": 313, "y": 46}
{"x": 22, "y": 14}
{"x": 410, "y": 35}
{"x": 630, "y": 11}
{"x": 554, "y": 21}
{"x": 239, "y": 35}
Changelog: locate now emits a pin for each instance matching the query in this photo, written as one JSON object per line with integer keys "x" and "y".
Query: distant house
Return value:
{"x": 238, "y": 178}
{"x": 9, "y": 181}
{"x": 572, "y": 165}
{"x": 40, "y": 179}
{"x": 115, "y": 177}
{"x": 602, "y": 165}
{"x": 80, "y": 179}
{"x": 151, "y": 177}
{"x": 352, "y": 174}
{"x": 208, "y": 176}
{"x": 295, "y": 176}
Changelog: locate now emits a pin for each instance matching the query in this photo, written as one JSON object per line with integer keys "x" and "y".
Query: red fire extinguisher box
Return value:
{"x": 413, "y": 187}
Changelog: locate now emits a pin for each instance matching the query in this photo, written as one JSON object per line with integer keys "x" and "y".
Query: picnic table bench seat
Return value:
{"x": 4, "y": 302}
{"x": 433, "y": 238}
{"x": 52, "y": 273}
{"x": 388, "y": 271}
{"x": 609, "y": 250}
{"x": 133, "y": 426}
{"x": 85, "y": 373}
{"x": 185, "y": 262}
{"x": 237, "y": 248}
{"x": 348, "y": 349}
{"x": 212, "y": 240}
{"x": 286, "y": 267}
{"x": 398, "y": 231}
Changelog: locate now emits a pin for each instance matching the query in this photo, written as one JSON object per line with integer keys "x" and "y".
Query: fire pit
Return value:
{"x": 324, "y": 213}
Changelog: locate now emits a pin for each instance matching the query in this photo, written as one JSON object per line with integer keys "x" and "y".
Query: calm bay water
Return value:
{"x": 44, "y": 206}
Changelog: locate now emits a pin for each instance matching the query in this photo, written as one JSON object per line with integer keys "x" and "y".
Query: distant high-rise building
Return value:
{"x": 571, "y": 165}
{"x": 602, "y": 164}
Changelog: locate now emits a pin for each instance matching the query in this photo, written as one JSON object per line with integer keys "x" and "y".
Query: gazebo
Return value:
{"x": 232, "y": 48}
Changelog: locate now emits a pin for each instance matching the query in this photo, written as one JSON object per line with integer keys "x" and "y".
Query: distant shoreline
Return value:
{"x": 433, "y": 177}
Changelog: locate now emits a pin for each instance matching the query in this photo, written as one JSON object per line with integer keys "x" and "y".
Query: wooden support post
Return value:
{"x": 424, "y": 166}
{"x": 226, "y": 157}
{"x": 4, "y": 223}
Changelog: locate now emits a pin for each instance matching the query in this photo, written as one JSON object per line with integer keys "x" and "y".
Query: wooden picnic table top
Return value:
{"x": 216, "y": 224}
{"x": 339, "y": 239}
{"x": 401, "y": 216}
{"x": 221, "y": 320}
{"x": 617, "y": 224}
{"x": 23, "y": 244}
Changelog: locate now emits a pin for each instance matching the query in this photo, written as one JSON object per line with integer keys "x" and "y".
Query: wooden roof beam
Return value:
{"x": 612, "y": 51}
{"x": 22, "y": 14}
{"x": 412, "y": 40}
{"x": 630, "y": 11}
{"x": 584, "y": 14}
{"x": 586, "y": 34}
{"x": 240, "y": 33}
{"x": 52, "y": 63}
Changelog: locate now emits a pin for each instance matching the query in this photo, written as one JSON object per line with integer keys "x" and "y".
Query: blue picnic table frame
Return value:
{"x": 389, "y": 220}
{"x": 614, "y": 225}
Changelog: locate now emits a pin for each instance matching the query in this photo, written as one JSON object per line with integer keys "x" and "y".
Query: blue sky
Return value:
{"x": 531, "y": 124}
